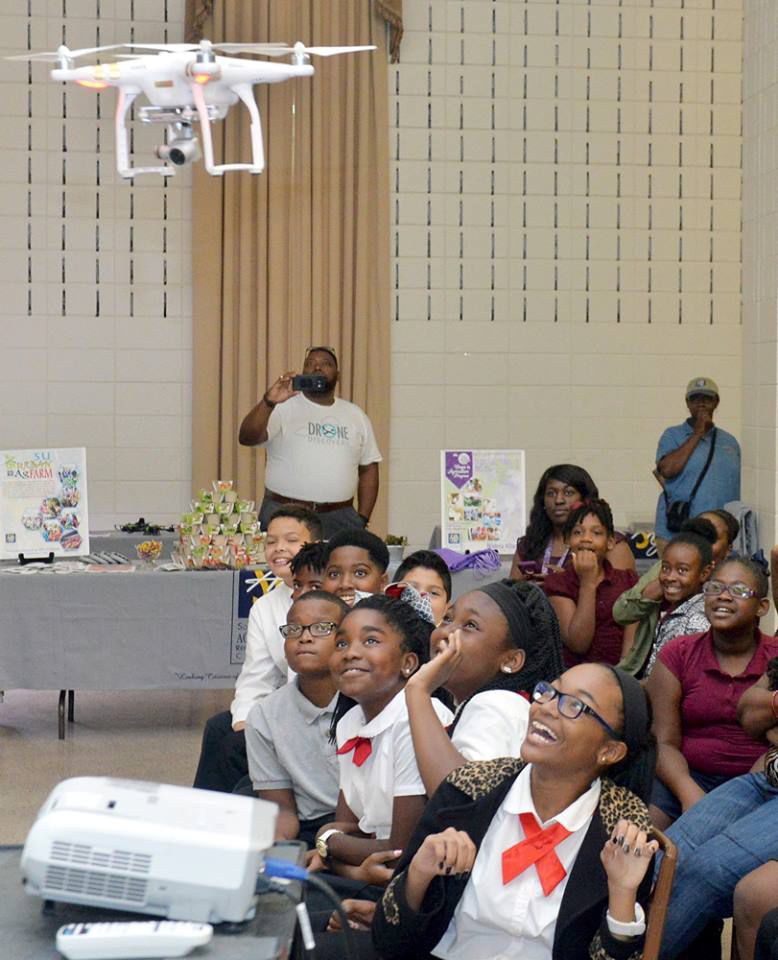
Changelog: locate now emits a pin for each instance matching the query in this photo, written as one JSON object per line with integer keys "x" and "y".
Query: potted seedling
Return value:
{"x": 396, "y": 546}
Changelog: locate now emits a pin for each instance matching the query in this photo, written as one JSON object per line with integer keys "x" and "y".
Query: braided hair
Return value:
{"x": 413, "y": 629}
{"x": 540, "y": 641}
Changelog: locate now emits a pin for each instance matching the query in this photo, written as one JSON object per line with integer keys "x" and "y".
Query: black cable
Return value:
{"x": 317, "y": 882}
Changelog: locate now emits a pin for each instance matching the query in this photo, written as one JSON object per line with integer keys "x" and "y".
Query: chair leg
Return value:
{"x": 61, "y": 715}
{"x": 71, "y": 706}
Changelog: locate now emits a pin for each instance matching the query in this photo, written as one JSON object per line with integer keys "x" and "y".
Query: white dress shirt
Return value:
{"x": 496, "y": 921}
{"x": 264, "y": 668}
{"x": 494, "y": 724}
{"x": 390, "y": 771}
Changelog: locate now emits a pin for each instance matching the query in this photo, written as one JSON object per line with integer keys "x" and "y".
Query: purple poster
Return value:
{"x": 482, "y": 499}
{"x": 459, "y": 466}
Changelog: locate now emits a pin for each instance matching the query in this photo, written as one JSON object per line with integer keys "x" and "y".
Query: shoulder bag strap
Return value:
{"x": 705, "y": 468}
{"x": 701, "y": 477}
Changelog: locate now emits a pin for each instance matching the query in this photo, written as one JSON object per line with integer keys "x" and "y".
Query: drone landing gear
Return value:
{"x": 246, "y": 94}
{"x": 124, "y": 100}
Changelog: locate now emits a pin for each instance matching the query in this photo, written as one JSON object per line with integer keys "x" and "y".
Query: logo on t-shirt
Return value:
{"x": 328, "y": 432}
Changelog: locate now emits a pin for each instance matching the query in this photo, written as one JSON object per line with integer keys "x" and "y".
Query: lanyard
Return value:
{"x": 546, "y": 565}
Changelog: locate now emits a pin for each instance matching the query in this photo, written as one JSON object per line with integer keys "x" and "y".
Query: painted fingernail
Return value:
{"x": 638, "y": 853}
{"x": 448, "y": 870}
{"x": 620, "y": 841}
{"x": 440, "y": 865}
{"x": 626, "y": 848}
{"x": 614, "y": 840}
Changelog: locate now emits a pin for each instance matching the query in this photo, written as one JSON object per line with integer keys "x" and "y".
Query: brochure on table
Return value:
{"x": 43, "y": 503}
{"x": 482, "y": 499}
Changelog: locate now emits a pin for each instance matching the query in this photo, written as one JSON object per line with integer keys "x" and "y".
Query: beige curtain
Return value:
{"x": 298, "y": 255}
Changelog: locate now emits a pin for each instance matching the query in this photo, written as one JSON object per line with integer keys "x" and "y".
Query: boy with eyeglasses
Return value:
{"x": 321, "y": 449}
{"x": 222, "y": 764}
{"x": 292, "y": 761}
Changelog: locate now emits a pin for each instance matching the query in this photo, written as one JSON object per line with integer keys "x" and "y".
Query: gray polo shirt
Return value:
{"x": 288, "y": 748}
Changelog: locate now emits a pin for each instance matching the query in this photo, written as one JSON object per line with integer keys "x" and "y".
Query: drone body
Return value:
{"x": 183, "y": 84}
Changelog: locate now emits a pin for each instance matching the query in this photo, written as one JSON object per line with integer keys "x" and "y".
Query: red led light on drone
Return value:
{"x": 201, "y": 78}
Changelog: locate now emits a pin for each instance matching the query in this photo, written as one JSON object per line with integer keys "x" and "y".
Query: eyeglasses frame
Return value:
{"x": 584, "y": 707}
{"x": 284, "y": 628}
{"x": 727, "y": 588}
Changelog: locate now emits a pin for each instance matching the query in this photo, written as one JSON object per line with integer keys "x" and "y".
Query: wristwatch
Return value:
{"x": 321, "y": 843}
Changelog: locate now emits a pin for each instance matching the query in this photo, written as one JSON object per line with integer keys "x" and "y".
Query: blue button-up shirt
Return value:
{"x": 721, "y": 483}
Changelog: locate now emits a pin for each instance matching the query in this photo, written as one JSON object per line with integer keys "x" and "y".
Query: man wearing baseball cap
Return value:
{"x": 697, "y": 463}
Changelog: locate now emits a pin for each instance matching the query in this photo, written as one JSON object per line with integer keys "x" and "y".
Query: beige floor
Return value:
{"x": 151, "y": 735}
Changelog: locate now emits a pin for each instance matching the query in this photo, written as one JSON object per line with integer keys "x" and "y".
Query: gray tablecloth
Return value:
{"x": 117, "y": 631}
{"x": 29, "y": 934}
{"x": 129, "y": 631}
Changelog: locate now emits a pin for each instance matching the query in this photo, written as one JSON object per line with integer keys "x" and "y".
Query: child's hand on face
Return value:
{"x": 435, "y": 673}
{"x": 585, "y": 565}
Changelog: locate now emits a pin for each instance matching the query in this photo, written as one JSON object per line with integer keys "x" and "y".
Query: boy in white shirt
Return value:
{"x": 223, "y": 763}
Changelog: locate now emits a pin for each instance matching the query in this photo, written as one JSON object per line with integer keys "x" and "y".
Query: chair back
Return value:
{"x": 660, "y": 895}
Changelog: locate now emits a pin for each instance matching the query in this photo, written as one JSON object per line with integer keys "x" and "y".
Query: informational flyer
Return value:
{"x": 249, "y": 586}
{"x": 43, "y": 503}
{"x": 482, "y": 499}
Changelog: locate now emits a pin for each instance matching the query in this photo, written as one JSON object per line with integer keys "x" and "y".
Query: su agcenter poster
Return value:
{"x": 43, "y": 503}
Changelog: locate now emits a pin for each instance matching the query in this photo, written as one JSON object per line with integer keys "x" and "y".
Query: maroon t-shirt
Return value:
{"x": 712, "y": 739}
{"x": 608, "y": 635}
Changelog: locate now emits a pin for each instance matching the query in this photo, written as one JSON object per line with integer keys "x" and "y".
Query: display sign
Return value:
{"x": 482, "y": 499}
{"x": 250, "y": 585}
{"x": 43, "y": 503}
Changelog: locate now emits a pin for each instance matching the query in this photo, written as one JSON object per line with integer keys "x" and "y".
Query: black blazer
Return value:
{"x": 468, "y": 800}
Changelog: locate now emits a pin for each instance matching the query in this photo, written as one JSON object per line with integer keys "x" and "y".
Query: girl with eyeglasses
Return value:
{"x": 544, "y": 856}
{"x": 695, "y": 687}
{"x": 291, "y": 759}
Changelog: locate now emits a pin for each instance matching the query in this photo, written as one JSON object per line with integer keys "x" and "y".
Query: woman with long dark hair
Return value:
{"x": 542, "y": 549}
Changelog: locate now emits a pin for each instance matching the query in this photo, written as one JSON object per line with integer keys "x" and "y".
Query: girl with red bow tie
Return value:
{"x": 543, "y": 857}
{"x": 378, "y": 646}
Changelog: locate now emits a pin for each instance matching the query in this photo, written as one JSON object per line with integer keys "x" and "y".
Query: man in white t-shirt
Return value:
{"x": 320, "y": 449}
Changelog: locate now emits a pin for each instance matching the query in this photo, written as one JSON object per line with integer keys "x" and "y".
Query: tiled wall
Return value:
{"x": 566, "y": 240}
{"x": 95, "y": 318}
{"x": 760, "y": 262}
{"x": 567, "y": 235}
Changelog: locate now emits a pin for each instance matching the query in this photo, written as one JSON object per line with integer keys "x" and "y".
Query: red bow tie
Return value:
{"x": 362, "y": 748}
{"x": 538, "y": 848}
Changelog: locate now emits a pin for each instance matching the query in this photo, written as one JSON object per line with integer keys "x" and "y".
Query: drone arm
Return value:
{"x": 124, "y": 100}
{"x": 257, "y": 164}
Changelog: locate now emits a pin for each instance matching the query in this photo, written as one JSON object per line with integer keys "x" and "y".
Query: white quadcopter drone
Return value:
{"x": 185, "y": 82}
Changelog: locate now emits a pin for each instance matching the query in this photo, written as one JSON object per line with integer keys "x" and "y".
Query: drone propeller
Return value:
{"x": 63, "y": 53}
{"x": 282, "y": 50}
{"x": 168, "y": 47}
{"x": 331, "y": 51}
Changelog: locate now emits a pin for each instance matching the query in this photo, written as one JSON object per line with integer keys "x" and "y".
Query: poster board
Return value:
{"x": 482, "y": 499}
{"x": 43, "y": 503}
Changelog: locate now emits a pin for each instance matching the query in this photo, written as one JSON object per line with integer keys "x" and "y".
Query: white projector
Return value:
{"x": 149, "y": 847}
